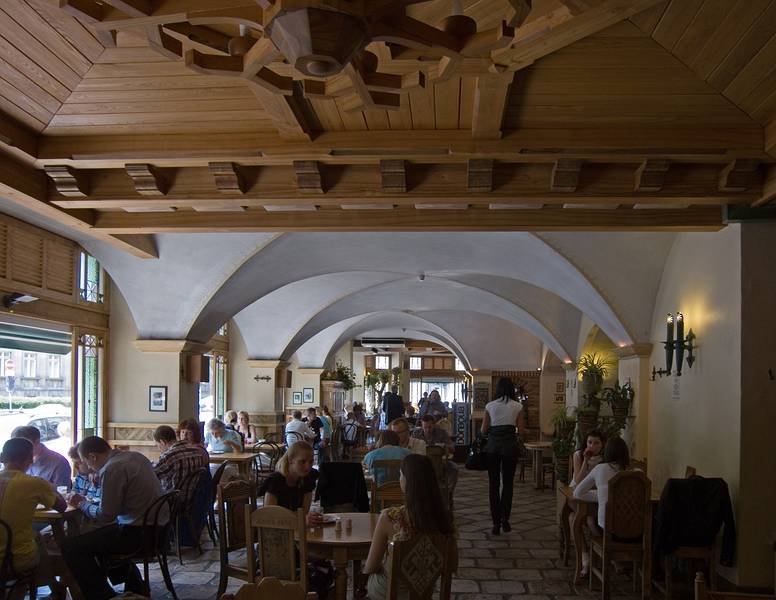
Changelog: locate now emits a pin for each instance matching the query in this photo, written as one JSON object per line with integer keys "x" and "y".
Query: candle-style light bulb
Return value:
{"x": 679, "y": 345}
{"x": 669, "y": 343}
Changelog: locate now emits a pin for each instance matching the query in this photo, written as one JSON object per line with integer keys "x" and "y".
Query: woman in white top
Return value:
{"x": 588, "y": 457}
{"x": 502, "y": 416}
{"x": 616, "y": 459}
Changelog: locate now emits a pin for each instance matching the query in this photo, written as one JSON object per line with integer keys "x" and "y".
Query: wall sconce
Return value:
{"x": 679, "y": 345}
{"x": 266, "y": 378}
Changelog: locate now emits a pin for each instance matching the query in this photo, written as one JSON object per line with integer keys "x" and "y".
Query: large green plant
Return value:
{"x": 562, "y": 422}
{"x": 378, "y": 381}
{"x": 341, "y": 373}
{"x": 619, "y": 398}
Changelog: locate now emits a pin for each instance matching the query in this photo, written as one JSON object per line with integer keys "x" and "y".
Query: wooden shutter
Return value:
{"x": 27, "y": 256}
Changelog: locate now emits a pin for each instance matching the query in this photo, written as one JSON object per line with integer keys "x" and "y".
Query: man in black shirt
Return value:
{"x": 314, "y": 422}
{"x": 393, "y": 405}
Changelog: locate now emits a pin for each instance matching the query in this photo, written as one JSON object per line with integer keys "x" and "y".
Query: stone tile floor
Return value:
{"x": 522, "y": 564}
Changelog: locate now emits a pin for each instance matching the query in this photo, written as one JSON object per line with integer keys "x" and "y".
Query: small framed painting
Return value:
{"x": 560, "y": 399}
{"x": 307, "y": 395}
{"x": 297, "y": 398}
{"x": 157, "y": 398}
{"x": 559, "y": 387}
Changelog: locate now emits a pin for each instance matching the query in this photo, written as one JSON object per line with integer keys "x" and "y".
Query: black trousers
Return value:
{"x": 501, "y": 477}
{"x": 84, "y": 552}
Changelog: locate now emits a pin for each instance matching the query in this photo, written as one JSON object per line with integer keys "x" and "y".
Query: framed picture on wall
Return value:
{"x": 560, "y": 399}
{"x": 559, "y": 387}
{"x": 157, "y": 398}
{"x": 307, "y": 395}
{"x": 297, "y": 398}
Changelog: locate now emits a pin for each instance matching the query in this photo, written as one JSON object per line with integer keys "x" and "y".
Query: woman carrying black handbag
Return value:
{"x": 502, "y": 416}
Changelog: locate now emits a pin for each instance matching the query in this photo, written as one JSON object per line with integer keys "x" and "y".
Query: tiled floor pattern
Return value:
{"x": 522, "y": 564}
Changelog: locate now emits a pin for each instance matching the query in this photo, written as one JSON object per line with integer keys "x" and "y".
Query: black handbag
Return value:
{"x": 478, "y": 458}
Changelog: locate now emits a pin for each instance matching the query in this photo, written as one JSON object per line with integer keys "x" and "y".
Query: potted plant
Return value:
{"x": 562, "y": 422}
{"x": 562, "y": 449}
{"x": 343, "y": 374}
{"x": 592, "y": 370}
{"x": 619, "y": 398}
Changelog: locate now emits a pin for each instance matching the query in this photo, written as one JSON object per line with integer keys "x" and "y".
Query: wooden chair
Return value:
{"x": 232, "y": 498}
{"x": 388, "y": 468}
{"x": 264, "y": 464}
{"x": 294, "y": 437}
{"x": 269, "y": 588}
{"x": 275, "y": 529}
{"x": 212, "y": 527}
{"x": 336, "y": 443}
{"x": 10, "y": 580}
{"x": 702, "y": 594}
{"x": 627, "y": 535}
{"x": 185, "y": 512}
{"x": 416, "y": 564}
{"x": 158, "y": 521}
{"x": 707, "y": 554}
{"x": 639, "y": 464}
{"x": 388, "y": 494}
{"x": 437, "y": 456}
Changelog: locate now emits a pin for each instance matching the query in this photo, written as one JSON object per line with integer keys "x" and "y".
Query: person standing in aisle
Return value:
{"x": 503, "y": 416}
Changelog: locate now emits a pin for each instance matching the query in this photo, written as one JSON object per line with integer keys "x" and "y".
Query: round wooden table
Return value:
{"x": 343, "y": 546}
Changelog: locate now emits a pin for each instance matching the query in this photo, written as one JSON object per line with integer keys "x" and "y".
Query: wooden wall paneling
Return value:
{"x": 422, "y": 106}
{"x": 60, "y": 266}
{"x": 377, "y": 120}
{"x": 762, "y": 30}
{"x": 27, "y": 257}
{"x": 328, "y": 114}
{"x": 754, "y": 82}
{"x": 5, "y": 255}
{"x": 402, "y": 118}
{"x": 25, "y": 102}
{"x": 447, "y": 96}
{"x": 739, "y": 19}
{"x": 711, "y": 15}
{"x": 21, "y": 82}
{"x": 466, "y": 102}
{"x": 675, "y": 20}
{"x": 72, "y": 29}
{"x": 648, "y": 19}
{"x": 21, "y": 12}
{"x": 26, "y": 65}
{"x": 352, "y": 120}
{"x": 766, "y": 110}
{"x": 10, "y": 108}
{"x": 37, "y": 51}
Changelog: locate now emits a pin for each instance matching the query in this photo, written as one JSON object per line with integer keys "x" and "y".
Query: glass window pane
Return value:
{"x": 415, "y": 363}
{"x": 382, "y": 362}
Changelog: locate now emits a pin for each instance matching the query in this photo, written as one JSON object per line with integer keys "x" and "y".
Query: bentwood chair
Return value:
{"x": 386, "y": 495}
{"x": 269, "y": 454}
{"x": 627, "y": 534}
{"x": 158, "y": 521}
{"x": 415, "y": 565}
{"x": 9, "y": 579}
{"x": 232, "y": 499}
{"x": 269, "y": 588}
{"x": 212, "y": 527}
{"x": 293, "y": 437}
{"x": 187, "y": 515}
{"x": 282, "y": 543}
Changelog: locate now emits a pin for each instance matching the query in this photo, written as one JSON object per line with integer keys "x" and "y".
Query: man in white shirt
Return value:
{"x": 298, "y": 427}
{"x": 402, "y": 428}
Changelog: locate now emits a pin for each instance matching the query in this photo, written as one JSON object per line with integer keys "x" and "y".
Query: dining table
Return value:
{"x": 537, "y": 449}
{"x": 340, "y": 547}
{"x": 243, "y": 460}
{"x": 57, "y": 520}
{"x": 581, "y": 508}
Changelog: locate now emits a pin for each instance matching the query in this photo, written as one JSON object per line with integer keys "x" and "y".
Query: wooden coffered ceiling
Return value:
{"x": 556, "y": 114}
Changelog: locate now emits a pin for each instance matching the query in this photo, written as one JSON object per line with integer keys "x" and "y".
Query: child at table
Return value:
{"x": 616, "y": 459}
{"x": 86, "y": 483}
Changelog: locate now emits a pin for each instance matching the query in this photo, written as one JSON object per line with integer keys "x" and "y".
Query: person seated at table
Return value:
{"x": 46, "y": 464}
{"x": 296, "y": 428}
{"x": 129, "y": 487}
{"x": 387, "y": 449}
{"x": 423, "y": 512}
{"x": 616, "y": 458}
{"x": 358, "y": 414}
{"x": 402, "y": 429}
{"x": 20, "y": 494}
{"x": 219, "y": 439}
{"x": 315, "y": 424}
{"x": 409, "y": 414}
{"x": 433, "y": 435}
{"x": 86, "y": 483}
{"x": 588, "y": 457}
{"x": 293, "y": 482}
{"x": 434, "y": 406}
{"x": 177, "y": 459}
{"x": 246, "y": 429}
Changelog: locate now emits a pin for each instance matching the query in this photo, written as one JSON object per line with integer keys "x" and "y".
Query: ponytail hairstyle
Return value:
{"x": 505, "y": 389}
{"x": 427, "y": 511}
{"x": 294, "y": 451}
{"x": 616, "y": 452}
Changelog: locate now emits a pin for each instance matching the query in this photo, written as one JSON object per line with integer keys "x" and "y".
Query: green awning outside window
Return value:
{"x": 33, "y": 339}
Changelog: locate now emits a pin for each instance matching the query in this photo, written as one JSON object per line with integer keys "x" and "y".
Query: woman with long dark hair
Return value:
{"x": 424, "y": 511}
{"x": 503, "y": 415}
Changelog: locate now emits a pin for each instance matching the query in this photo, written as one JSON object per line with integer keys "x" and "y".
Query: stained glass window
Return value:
{"x": 90, "y": 279}
{"x": 89, "y": 352}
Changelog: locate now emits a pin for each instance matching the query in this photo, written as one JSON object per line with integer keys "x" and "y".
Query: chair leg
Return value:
{"x": 164, "y": 567}
{"x": 668, "y": 574}
{"x": 33, "y": 588}
{"x": 178, "y": 538}
{"x": 212, "y": 530}
{"x": 223, "y": 579}
{"x": 605, "y": 587}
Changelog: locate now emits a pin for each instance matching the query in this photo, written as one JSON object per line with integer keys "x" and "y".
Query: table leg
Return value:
{"x": 537, "y": 469}
{"x": 341, "y": 578}
{"x": 578, "y": 536}
{"x": 565, "y": 528}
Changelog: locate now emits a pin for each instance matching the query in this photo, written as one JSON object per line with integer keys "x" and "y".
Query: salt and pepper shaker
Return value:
{"x": 348, "y": 524}
{"x": 338, "y": 525}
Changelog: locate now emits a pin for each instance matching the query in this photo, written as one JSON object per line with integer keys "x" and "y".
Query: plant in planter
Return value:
{"x": 341, "y": 373}
{"x": 562, "y": 449}
{"x": 592, "y": 370}
{"x": 562, "y": 422}
{"x": 619, "y": 398}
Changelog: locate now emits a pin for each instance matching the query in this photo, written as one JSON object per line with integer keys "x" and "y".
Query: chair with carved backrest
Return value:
{"x": 269, "y": 588}
{"x": 386, "y": 495}
{"x": 627, "y": 534}
{"x": 232, "y": 498}
{"x": 415, "y": 565}
{"x": 705, "y": 554}
{"x": 701, "y": 593}
{"x": 275, "y": 529}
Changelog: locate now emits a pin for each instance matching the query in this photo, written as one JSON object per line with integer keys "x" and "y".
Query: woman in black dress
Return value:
{"x": 293, "y": 483}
